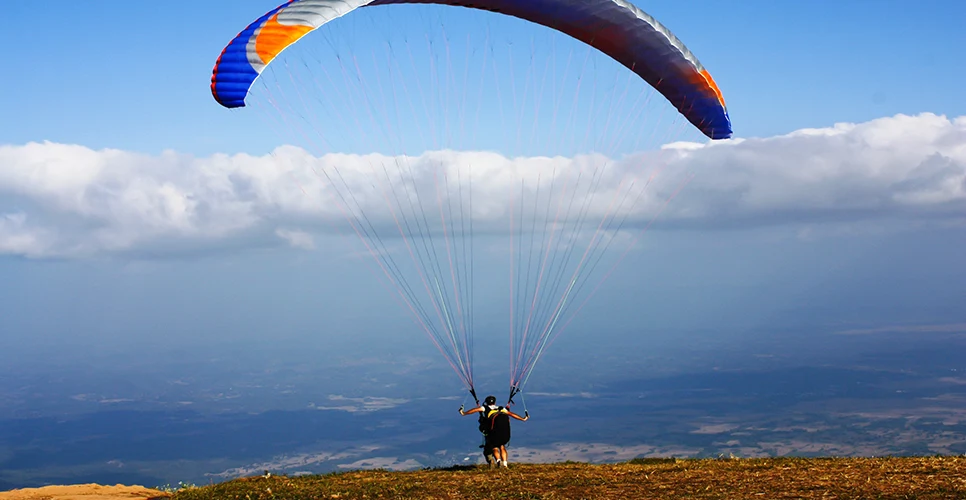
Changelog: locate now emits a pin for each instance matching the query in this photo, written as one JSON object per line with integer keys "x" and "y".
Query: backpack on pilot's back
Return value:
{"x": 491, "y": 417}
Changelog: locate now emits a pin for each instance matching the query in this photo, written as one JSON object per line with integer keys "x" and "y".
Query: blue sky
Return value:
{"x": 190, "y": 228}
{"x": 134, "y": 75}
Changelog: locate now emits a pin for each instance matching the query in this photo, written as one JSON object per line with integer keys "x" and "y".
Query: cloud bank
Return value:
{"x": 69, "y": 201}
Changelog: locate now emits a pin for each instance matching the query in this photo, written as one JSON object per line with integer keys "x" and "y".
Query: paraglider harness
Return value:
{"x": 487, "y": 419}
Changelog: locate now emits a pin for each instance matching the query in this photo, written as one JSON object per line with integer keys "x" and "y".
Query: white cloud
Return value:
{"x": 366, "y": 404}
{"x": 59, "y": 200}
{"x": 902, "y": 166}
{"x": 16, "y": 238}
{"x": 297, "y": 239}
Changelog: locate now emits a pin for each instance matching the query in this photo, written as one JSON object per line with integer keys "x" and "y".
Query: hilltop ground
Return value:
{"x": 82, "y": 492}
{"x": 840, "y": 478}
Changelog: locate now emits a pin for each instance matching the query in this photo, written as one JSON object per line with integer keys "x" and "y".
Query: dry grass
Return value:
{"x": 826, "y": 478}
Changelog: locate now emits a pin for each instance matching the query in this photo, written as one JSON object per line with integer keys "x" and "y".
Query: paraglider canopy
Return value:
{"x": 615, "y": 27}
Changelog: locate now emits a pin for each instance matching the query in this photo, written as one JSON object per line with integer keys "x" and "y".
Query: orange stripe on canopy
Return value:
{"x": 273, "y": 37}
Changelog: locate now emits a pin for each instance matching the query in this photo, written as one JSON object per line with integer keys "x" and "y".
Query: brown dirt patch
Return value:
{"x": 83, "y": 492}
